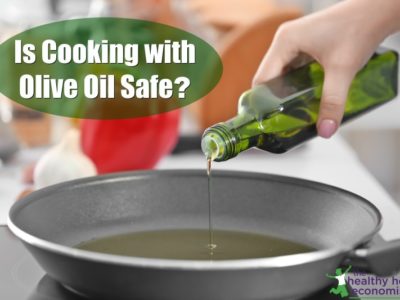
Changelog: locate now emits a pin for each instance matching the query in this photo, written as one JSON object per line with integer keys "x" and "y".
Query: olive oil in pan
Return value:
{"x": 188, "y": 244}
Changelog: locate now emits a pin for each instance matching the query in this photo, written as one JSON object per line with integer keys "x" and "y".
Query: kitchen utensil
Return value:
{"x": 29, "y": 283}
{"x": 336, "y": 222}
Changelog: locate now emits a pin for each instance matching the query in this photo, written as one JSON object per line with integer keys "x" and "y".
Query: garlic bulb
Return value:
{"x": 64, "y": 161}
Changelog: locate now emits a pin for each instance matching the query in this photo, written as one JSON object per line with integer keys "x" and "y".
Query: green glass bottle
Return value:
{"x": 282, "y": 113}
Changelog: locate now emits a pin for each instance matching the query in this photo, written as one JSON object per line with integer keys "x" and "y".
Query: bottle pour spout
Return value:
{"x": 218, "y": 143}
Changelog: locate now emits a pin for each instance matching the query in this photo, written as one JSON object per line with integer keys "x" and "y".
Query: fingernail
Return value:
{"x": 327, "y": 128}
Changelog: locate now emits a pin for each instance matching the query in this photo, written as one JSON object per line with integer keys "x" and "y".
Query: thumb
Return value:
{"x": 334, "y": 96}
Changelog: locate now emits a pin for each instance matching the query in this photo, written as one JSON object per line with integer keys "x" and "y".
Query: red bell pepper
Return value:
{"x": 129, "y": 144}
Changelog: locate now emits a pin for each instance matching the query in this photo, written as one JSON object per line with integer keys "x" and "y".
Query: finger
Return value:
{"x": 301, "y": 60}
{"x": 281, "y": 52}
{"x": 334, "y": 96}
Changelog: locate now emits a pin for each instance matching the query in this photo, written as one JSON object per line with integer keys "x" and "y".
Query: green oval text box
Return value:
{"x": 203, "y": 74}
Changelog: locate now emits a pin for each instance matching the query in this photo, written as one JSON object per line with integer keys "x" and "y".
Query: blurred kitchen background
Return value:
{"x": 240, "y": 30}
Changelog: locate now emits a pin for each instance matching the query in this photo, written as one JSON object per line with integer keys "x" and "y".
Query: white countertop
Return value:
{"x": 328, "y": 161}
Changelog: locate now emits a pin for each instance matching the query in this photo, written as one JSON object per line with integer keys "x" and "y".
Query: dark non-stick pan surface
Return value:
{"x": 53, "y": 220}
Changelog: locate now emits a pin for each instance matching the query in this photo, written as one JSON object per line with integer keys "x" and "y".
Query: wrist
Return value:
{"x": 384, "y": 16}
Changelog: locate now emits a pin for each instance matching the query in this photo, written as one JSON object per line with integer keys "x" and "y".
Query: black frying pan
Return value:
{"x": 52, "y": 220}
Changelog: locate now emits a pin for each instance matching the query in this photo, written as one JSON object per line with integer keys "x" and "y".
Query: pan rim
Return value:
{"x": 201, "y": 265}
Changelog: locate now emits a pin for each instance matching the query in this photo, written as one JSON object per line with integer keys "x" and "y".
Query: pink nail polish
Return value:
{"x": 327, "y": 128}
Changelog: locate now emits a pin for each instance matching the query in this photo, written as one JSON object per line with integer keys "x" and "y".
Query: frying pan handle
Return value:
{"x": 382, "y": 259}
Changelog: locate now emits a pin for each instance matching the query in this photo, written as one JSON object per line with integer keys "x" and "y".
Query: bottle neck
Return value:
{"x": 225, "y": 140}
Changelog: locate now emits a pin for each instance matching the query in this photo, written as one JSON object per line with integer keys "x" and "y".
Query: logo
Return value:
{"x": 341, "y": 289}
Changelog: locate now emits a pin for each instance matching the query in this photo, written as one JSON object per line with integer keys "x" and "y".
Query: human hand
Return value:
{"x": 342, "y": 39}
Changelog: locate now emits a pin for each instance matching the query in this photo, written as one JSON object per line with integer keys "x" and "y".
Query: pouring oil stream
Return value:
{"x": 211, "y": 246}
{"x": 210, "y": 149}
